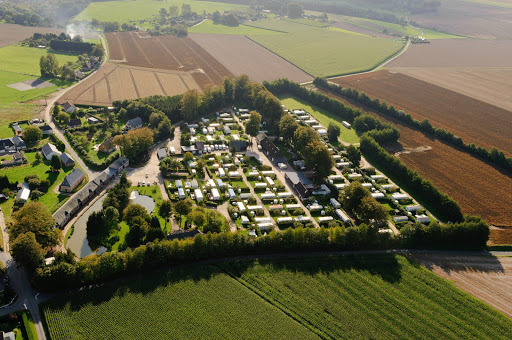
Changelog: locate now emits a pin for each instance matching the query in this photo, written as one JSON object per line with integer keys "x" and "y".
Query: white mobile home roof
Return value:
{"x": 367, "y": 185}
{"x": 315, "y": 206}
{"x": 303, "y": 219}
{"x": 178, "y": 183}
{"x": 267, "y": 196}
{"x": 340, "y": 186}
{"x": 422, "y": 218}
{"x": 377, "y": 176}
{"x": 268, "y": 172}
{"x": 412, "y": 208}
{"x": 215, "y": 194}
{"x": 262, "y": 219}
{"x": 398, "y": 196}
{"x": 241, "y": 206}
{"x": 355, "y": 176}
{"x": 342, "y": 216}
{"x": 335, "y": 177}
{"x": 284, "y": 194}
{"x": 181, "y": 193}
{"x": 253, "y": 173}
{"x": 234, "y": 174}
{"x": 199, "y": 195}
{"x": 342, "y": 164}
{"x": 260, "y": 185}
{"x": 244, "y": 219}
{"x": 378, "y": 195}
{"x": 325, "y": 219}
{"x": 322, "y": 132}
{"x": 220, "y": 183}
{"x": 335, "y": 203}
{"x": 293, "y": 206}
{"x": 254, "y": 207}
{"x": 284, "y": 220}
{"x": 387, "y": 186}
{"x": 231, "y": 193}
{"x": 270, "y": 181}
{"x": 400, "y": 218}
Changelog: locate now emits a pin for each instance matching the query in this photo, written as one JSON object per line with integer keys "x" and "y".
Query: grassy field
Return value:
{"x": 209, "y": 27}
{"x": 379, "y": 297}
{"x": 125, "y": 11}
{"x": 25, "y": 60}
{"x": 324, "y": 117}
{"x": 51, "y": 199}
{"x": 325, "y": 52}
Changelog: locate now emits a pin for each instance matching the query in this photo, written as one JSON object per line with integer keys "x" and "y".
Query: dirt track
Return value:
{"x": 487, "y": 278}
{"x": 472, "y": 120}
{"x": 474, "y": 184}
{"x": 242, "y": 56}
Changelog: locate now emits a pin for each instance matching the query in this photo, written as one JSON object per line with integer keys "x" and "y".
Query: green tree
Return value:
{"x": 56, "y": 163}
{"x": 186, "y": 10}
{"x": 56, "y": 110}
{"x": 165, "y": 209}
{"x": 62, "y": 117}
{"x": 32, "y": 134}
{"x": 135, "y": 142}
{"x": 287, "y": 127}
{"x": 371, "y": 212}
{"x": 354, "y": 155}
{"x": 333, "y": 132}
{"x": 98, "y": 51}
{"x": 294, "y": 10}
{"x": 318, "y": 157}
{"x": 197, "y": 217}
{"x": 352, "y": 195}
{"x": 242, "y": 90}
{"x": 36, "y": 218}
{"x": 190, "y": 105}
{"x": 138, "y": 230}
{"x": 27, "y": 252}
{"x": 94, "y": 223}
{"x": 110, "y": 217}
{"x": 252, "y": 127}
{"x": 39, "y": 157}
{"x": 188, "y": 156}
{"x": 135, "y": 210}
{"x": 182, "y": 208}
{"x": 303, "y": 136}
{"x": 48, "y": 65}
{"x": 173, "y": 11}
{"x": 229, "y": 90}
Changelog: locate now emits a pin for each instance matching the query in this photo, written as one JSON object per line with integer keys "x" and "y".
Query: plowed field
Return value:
{"x": 118, "y": 82}
{"x": 479, "y": 188}
{"x": 12, "y": 33}
{"x": 166, "y": 52}
{"x": 473, "y": 120}
{"x": 487, "y": 278}
{"x": 243, "y": 56}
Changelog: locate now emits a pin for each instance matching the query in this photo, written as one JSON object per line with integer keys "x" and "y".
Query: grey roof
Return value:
{"x": 45, "y": 128}
{"x": 16, "y": 128}
{"x": 75, "y": 122}
{"x": 134, "y": 122}
{"x": 118, "y": 163}
{"x": 65, "y": 158}
{"x": 240, "y": 145}
{"x": 67, "y": 105}
{"x": 162, "y": 153}
{"x": 18, "y": 141}
{"x": 6, "y": 142}
{"x": 298, "y": 177}
{"x": 73, "y": 178}
{"x": 48, "y": 148}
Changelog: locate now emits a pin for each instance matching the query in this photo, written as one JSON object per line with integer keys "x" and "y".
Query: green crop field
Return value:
{"x": 330, "y": 297}
{"x": 125, "y": 11}
{"x": 324, "y": 117}
{"x": 209, "y": 27}
{"x": 325, "y": 52}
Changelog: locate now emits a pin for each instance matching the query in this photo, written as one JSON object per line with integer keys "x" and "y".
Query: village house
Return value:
{"x": 46, "y": 129}
{"x": 72, "y": 180}
{"x": 66, "y": 160}
{"x": 107, "y": 146}
{"x": 133, "y": 124}
{"x": 272, "y": 151}
{"x": 74, "y": 123}
{"x": 300, "y": 183}
{"x": 68, "y": 107}
{"x": 49, "y": 150}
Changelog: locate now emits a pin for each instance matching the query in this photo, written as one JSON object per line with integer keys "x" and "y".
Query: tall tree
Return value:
{"x": 56, "y": 163}
{"x": 27, "y": 252}
{"x": 36, "y": 218}
{"x": 190, "y": 105}
{"x": 48, "y": 65}
{"x": 287, "y": 127}
{"x": 333, "y": 132}
{"x": 252, "y": 127}
{"x": 318, "y": 157}
{"x": 354, "y": 155}
{"x": 303, "y": 136}
{"x": 32, "y": 134}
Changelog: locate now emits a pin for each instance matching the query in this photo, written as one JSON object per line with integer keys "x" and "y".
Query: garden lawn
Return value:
{"x": 324, "y": 117}
{"x": 126, "y": 11}
{"x": 325, "y": 52}
{"x": 50, "y": 199}
{"x": 331, "y": 297}
{"x": 209, "y": 27}
{"x": 25, "y": 60}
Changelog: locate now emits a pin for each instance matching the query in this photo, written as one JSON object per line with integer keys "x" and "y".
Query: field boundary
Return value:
{"x": 264, "y": 28}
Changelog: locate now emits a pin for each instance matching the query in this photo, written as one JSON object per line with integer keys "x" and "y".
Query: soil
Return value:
{"x": 487, "y": 278}
{"x": 473, "y": 120}
{"x": 243, "y": 56}
{"x": 12, "y": 33}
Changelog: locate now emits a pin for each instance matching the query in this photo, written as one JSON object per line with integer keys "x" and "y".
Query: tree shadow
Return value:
{"x": 459, "y": 263}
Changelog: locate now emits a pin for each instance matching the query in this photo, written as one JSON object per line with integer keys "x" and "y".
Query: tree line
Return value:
{"x": 494, "y": 156}
{"x": 66, "y": 273}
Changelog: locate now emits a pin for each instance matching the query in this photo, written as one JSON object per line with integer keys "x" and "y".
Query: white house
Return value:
{"x": 241, "y": 206}
{"x": 199, "y": 195}
{"x": 346, "y": 124}
{"x": 302, "y": 219}
{"x": 422, "y": 218}
{"x": 399, "y": 197}
{"x": 270, "y": 181}
{"x": 260, "y": 185}
{"x": 399, "y": 219}
{"x": 49, "y": 150}
{"x": 181, "y": 193}
{"x": 378, "y": 195}
{"x": 231, "y": 194}
{"x": 283, "y": 220}
{"x": 23, "y": 193}
{"x": 222, "y": 173}
{"x": 215, "y": 194}
{"x": 335, "y": 204}
{"x": 324, "y": 219}
{"x": 342, "y": 216}
{"x": 284, "y": 194}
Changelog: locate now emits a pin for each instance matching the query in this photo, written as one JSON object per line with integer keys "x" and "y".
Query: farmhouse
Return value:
{"x": 49, "y": 150}
{"x": 107, "y": 146}
{"x": 300, "y": 183}
{"x": 74, "y": 123}
{"x": 269, "y": 148}
{"x": 72, "y": 180}
{"x": 46, "y": 129}
{"x": 68, "y": 107}
{"x": 90, "y": 190}
{"x": 7, "y": 146}
{"x": 19, "y": 142}
{"x": 133, "y": 124}
{"x": 66, "y": 160}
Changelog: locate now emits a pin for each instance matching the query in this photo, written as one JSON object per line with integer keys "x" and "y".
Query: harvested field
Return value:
{"x": 12, "y": 33}
{"x": 487, "y": 278}
{"x": 167, "y": 53}
{"x": 456, "y": 53}
{"x": 491, "y": 85}
{"x": 470, "y": 19}
{"x": 473, "y": 120}
{"x": 118, "y": 82}
{"x": 472, "y": 183}
{"x": 242, "y": 56}
{"x": 500, "y": 236}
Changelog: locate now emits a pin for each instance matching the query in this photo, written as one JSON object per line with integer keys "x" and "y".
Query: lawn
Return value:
{"x": 125, "y": 11}
{"x": 330, "y": 297}
{"x": 209, "y": 27}
{"x": 50, "y": 199}
{"x": 25, "y": 60}
{"x": 325, "y": 52}
{"x": 324, "y": 117}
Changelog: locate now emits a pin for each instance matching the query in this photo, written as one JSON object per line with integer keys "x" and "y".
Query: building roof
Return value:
{"x": 75, "y": 122}
{"x": 199, "y": 146}
{"x": 73, "y": 178}
{"x": 65, "y": 158}
{"x": 162, "y": 153}
{"x": 45, "y": 128}
{"x": 67, "y": 105}
{"x": 18, "y": 141}
{"x": 48, "y": 148}
{"x": 6, "y": 142}
{"x": 16, "y": 128}
{"x": 298, "y": 177}
{"x": 134, "y": 122}
{"x": 267, "y": 145}
{"x": 108, "y": 144}
{"x": 239, "y": 145}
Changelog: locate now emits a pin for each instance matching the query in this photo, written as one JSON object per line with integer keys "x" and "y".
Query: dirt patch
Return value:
{"x": 118, "y": 82}
{"x": 500, "y": 236}
{"x": 479, "y": 188}
{"x": 491, "y": 85}
{"x": 470, "y": 19}
{"x": 457, "y": 53}
{"x": 165, "y": 53}
{"x": 242, "y": 56}
{"x": 471, "y": 119}
{"x": 30, "y": 85}
{"x": 487, "y": 278}
{"x": 12, "y": 33}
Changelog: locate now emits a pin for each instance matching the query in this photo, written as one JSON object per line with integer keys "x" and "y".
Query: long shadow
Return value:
{"x": 459, "y": 263}
{"x": 386, "y": 266}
